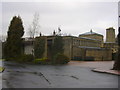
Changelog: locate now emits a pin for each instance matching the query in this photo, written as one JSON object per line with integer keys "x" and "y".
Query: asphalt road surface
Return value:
{"x": 59, "y": 76}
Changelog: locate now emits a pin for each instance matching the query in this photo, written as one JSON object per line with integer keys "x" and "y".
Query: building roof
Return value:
{"x": 89, "y": 38}
{"x": 91, "y": 33}
{"x": 110, "y": 28}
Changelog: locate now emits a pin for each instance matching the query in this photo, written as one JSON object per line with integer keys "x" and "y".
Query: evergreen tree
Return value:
{"x": 58, "y": 45}
{"x": 117, "y": 61}
{"x": 13, "y": 45}
{"x": 39, "y": 47}
{"x": 57, "y": 50}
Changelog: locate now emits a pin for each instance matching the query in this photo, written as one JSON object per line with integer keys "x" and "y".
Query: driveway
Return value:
{"x": 72, "y": 75}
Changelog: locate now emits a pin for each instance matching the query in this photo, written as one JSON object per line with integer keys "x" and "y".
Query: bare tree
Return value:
{"x": 34, "y": 29}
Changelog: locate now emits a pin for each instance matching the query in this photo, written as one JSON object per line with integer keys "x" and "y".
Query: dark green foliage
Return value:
{"x": 117, "y": 61}
{"x": 60, "y": 59}
{"x": 25, "y": 58}
{"x": 57, "y": 45}
{"x": 13, "y": 45}
{"x": 22, "y": 58}
{"x": 39, "y": 47}
{"x": 119, "y": 37}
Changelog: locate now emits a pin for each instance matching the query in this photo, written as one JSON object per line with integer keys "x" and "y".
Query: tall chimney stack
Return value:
{"x": 110, "y": 35}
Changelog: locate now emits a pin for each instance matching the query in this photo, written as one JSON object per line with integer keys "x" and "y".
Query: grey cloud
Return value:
{"x": 73, "y": 17}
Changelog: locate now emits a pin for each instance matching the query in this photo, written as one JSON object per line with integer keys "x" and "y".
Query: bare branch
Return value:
{"x": 34, "y": 27}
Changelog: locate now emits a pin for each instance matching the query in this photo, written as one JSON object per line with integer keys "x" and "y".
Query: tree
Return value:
{"x": 33, "y": 29}
{"x": 14, "y": 43}
{"x": 117, "y": 61}
{"x": 57, "y": 45}
{"x": 57, "y": 48}
{"x": 39, "y": 47}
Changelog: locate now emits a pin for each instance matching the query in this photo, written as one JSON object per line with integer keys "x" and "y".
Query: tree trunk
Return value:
{"x": 117, "y": 61}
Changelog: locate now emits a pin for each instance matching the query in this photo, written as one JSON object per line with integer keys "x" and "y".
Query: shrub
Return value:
{"x": 60, "y": 59}
{"x": 25, "y": 58}
{"x": 39, "y": 47}
{"x": 58, "y": 45}
{"x": 22, "y": 58}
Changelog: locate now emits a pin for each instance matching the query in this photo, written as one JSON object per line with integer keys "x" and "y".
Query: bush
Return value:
{"x": 39, "y": 47}
{"x": 40, "y": 61}
{"x": 22, "y": 58}
{"x": 25, "y": 58}
{"x": 60, "y": 59}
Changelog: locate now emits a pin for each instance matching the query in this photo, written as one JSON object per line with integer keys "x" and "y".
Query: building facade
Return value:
{"x": 88, "y": 46}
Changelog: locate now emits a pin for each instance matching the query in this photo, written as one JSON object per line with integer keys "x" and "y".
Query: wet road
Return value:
{"x": 0, "y": 75}
{"x": 60, "y": 76}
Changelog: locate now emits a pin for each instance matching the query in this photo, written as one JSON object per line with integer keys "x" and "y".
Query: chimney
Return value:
{"x": 110, "y": 35}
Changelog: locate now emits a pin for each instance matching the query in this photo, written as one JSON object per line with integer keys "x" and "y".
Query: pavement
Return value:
{"x": 99, "y": 66}
{"x": 73, "y": 75}
{"x": 114, "y": 72}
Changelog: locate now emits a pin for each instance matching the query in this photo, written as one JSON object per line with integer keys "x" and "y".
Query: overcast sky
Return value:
{"x": 73, "y": 17}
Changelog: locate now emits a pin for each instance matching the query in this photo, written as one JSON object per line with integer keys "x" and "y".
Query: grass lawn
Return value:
{"x": 2, "y": 59}
{"x": 2, "y": 69}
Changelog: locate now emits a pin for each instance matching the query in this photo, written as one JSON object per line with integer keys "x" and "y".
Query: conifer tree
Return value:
{"x": 14, "y": 43}
{"x": 57, "y": 45}
{"x": 39, "y": 47}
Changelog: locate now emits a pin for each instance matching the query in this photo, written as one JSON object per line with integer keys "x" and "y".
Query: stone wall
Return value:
{"x": 86, "y": 42}
{"x": 78, "y": 53}
{"x": 99, "y": 54}
{"x": 91, "y": 54}
{"x": 68, "y": 46}
{"x": 93, "y": 36}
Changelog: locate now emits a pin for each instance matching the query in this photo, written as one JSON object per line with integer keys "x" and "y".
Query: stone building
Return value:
{"x": 111, "y": 42}
{"x": 88, "y": 46}
{"x": 110, "y": 35}
{"x": 92, "y": 35}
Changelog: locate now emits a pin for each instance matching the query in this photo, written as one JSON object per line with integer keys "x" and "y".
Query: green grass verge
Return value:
{"x": 2, "y": 69}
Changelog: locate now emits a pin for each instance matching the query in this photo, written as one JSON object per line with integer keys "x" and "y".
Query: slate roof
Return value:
{"x": 89, "y": 38}
{"x": 90, "y": 33}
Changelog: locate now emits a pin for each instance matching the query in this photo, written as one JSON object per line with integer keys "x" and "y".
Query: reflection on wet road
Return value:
{"x": 59, "y": 76}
